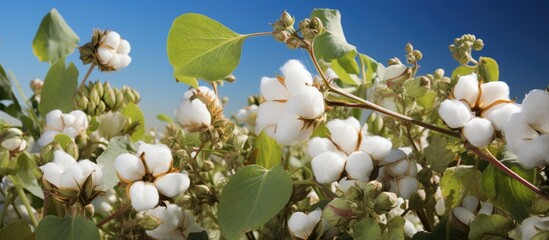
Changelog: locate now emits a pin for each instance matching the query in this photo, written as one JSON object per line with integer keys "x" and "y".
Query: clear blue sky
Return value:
{"x": 516, "y": 34}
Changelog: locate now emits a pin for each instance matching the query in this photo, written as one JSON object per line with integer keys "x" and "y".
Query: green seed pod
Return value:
{"x": 385, "y": 202}
{"x": 149, "y": 222}
{"x": 287, "y": 20}
{"x": 98, "y": 87}
{"x": 338, "y": 213}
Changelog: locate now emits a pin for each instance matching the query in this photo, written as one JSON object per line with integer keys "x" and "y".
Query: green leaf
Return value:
{"x": 462, "y": 70}
{"x": 198, "y": 236}
{"x": 196, "y": 43}
{"x": 19, "y": 229}
{"x": 366, "y": 228}
{"x": 135, "y": 115}
{"x": 488, "y": 69}
{"x": 269, "y": 153}
{"x": 117, "y": 146}
{"x": 437, "y": 154}
{"x": 414, "y": 88}
{"x": 59, "y": 88}
{"x": 456, "y": 180}
{"x": 52, "y": 227}
{"x": 370, "y": 68}
{"x": 427, "y": 100}
{"x": 28, "y": 172}
{"x": 62, "y": 139}
{"x": 54, "y": 39}
{"x": 321, "y": 131}
{"x": 344, "y": 66}
{"x": 251, "y": 197}
{"x": 507, "y": 193}
{"x": 395, "y": 229}
{"x": 191, "y": 81}
{"x": 332, "y": 43}
{"x": 164, "y": 118}
{"x": 490, "y": 227}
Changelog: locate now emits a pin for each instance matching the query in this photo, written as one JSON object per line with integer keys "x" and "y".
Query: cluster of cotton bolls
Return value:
{"x": 247, "y": 116}
{"x": 193, "y": 113}
{"x": 175, "y": 223}
{"x": 71, "y": 124}
{"x": 533, "y": 225}
{"x": 291, "y": 106}
{"x": 150, "y": 174}
{"x": 471, "y": 207}
{"x": 113, "y": 51}
{"x": 17, "y": 209}
{"x": 65, "y": 172}
{"x": 350, "y": 151}
{"x": 478, "y": 109}
{"x": 527, "y": 131}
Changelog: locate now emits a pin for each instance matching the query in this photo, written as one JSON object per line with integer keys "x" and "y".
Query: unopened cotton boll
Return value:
{"x": 500, "y": 114}
{"x": 467, "y": 88}
{"x": 319, "y": 145}
{"x": 535, "y": 108}
{"x": 359, "y": 166}
{"x": 479, "y": 132}
{"x": 492, "y": 92}
{"x": 345, "y": 133}
{"x": 378, "y": 147}
{"x": 301, "y": 225}
{"x": 328, "y": 166}
{"x": 532, "y": 226}
{"x": 455, "y": 113}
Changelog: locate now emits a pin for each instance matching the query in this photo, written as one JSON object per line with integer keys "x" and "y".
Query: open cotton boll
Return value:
{"x": 319, "y": 145}
{"x": 499, "y": 114}
{"x": 535, "y": 153}
{"x": 454, "y": 113}
{"x": 359, "y": 166}
{"x": 518, "y": 132}
{"x": 479, "y": 132}
{"x": 471, "y": 203}
{"x": 129, "y": 167}
{"x": 345, "y": 133}
{"x": 143, "y": 195}
{"x": 463, "y": 215}
{"x": 467, "y": 88}
{"x": 532, "y": 226}
{"x": 296, "y": 76}
{"x": 74, "y": 175}
{"x": 378, "y": 147}
{"x": 158, "y": 157}
{"x": 492, "y": 92}
{"x": 535, "y": 108}
{"x": 301, "y": 225}
{"x": 399, "y": 168}
{"x": 169, "y": 217}
{"x": 394, "y": 155}
{"x": 406, "y": 186}
{"x": 54, "y": 120}
{"x": 51, "y": 172}
{"x": 105, "y": 55}
{"x": 328, "y": 166}
{"x": 193, "y": 113}
{"x": 309, "y": 103}
{"x": 172, "y": 184}
{"x": 289, "y": 129}
{"x": 268, "y": 114}
{"x": 124, "y": 47}
{"x": 110, "y": 39}
{"x": 272, "y": 89}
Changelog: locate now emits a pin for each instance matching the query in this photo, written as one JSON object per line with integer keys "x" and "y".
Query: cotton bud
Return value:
{"x": 89, "y": 211}
{"x": 373, "y": 189}
{"x": 439, "y": 73}
{"x": 417, "y": 55}
{"x": 302, "y": 225}
{"x": 409, "y": 48}
{"x": 385, "y": 202}
{"x": 281, "y": 36}
{"x": 338, "y": 213}
{"x": 328, "y": 166}
{"x": 287, "y": 19}
{"x": 36, "y": 86}
{"x": 12, "y": 140}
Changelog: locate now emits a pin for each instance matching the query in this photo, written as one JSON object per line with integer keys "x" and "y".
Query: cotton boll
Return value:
{"x": 344, "y": 134}
{"x": 394, "y": 155}
{"x": 467, "y": 88}
{"x": 535, "y": 108}
{"x": 296, "y": 76}
{"x": 533, "y": 225}
{"x": 518, "y": 132}
{"x": 290, "y": 129}
{"x": 52, "y": 173}
{"x": 81, "y": 120}
{"x": 301, "y": 225}
{"x": 129, "y": 167}
{"x": 63, "y": 159}
{"x": 454, "y": 113}
{"x": 344, "y": 184}
{"x": 54, "y": 120}
{"x": 105, "y": 55}
{"x": 327, "y": 167}
{"x": 479, "y": 132}
{"x": 143, "y": 195}
{"x": 47, "y": 137}
{"x": 124, "y": 47}
{"x": 399, "y": 168}
{"x": 409, "y": 228}
{"x": 172, "y": 184}
{"x": 319, "y": 145}
{"x": 499, "y": 114}
{"x": 486, "y": 208}
{"x": 169, "y": 217}
{"x": 406, "y": 186}
{"x": 394, "y": 71}
{"x": 268, "y": 114}
{"x": 89, "y": 167}
{"x": 111, "y": 39}
{"x": 72, "y": 177}
{"x": 463, "y": 215}
{"x": 359, "y": 166}
{"x": 378, "y": 147}
{"x": 471, "y": 203}
{"x": 272, "y": 89}
{"x": 309, "y": 103}
{"x": 157, "y": 156}
{"x": 192, "y": 113}
{"x": 535, "y": 153}
{"x": 493, "y": 91}
{"x": 70, "y": 131}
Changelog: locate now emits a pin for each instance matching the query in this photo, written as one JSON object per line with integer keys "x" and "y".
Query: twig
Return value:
{"x": 87, "y": 75}
{"x": 115, "y": 214}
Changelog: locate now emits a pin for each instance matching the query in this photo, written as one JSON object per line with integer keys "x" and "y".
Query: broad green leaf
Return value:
{"x": 462, "y": 70}
{"x": 457, "y": 180}
{"x": 415, "y": 88}
{"x": 269, "y": 153}
{"x": 28, "y": 172}
{"x": 427, "y": 100}
{"x": 370, "y": 68}
{"x": 191, "y": 81}
{"x": 344, "y": 66}
{"x": 251, "y": 197}
{"x": 6, "y": 93}
{"x": 117, "y": 146}
{"x": 54, "y": 39}
{"x": 332, "y": 43}
{"x": 59, "y": 88}
{"x": 437, "y": 154}
{"x": 488, "y": 69}
{"x": 18, "y": 230}
{"x": 135, "y": 115}
{"x": 366, "y": 228}
{"x": 485, "y": 227}
{"x": 541, "y": 236}
{"x": 507, "y": 193}
{"x": 200, "y": 47}
{"x": 68, "y": 228}
{"x": 395, "y": 229}
{"x": 164, "y": 118}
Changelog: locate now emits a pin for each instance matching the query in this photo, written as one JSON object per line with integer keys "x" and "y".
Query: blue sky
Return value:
{"x": 516, "y": 34}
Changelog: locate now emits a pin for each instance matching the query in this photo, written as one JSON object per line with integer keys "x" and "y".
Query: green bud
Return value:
{"x": 231, "y": 78}
{"x": 409, "y": 48}
{"x": 278, "y": 26}
{"x": 384, "y": 202}
{"x": 304, "y": 24}
{"x": 46, "y": 154}
{"x": 119, "y": 99}
{"x": 101, "y": 107}
{"x": 338, "y": 213}
{"x": 94, "y": 97}
{"x": 89, "y": 211}
{"x": 136, "y": 95}
{"x": 439, "y": 73}
{"x": 82, "y": 102}
{"x": 316, "y": 24}
{"x": 72, "y": 149}
{"x": 540, "y": 206}
{"x": 292, "y": 43}
{"x": 417, "y": 54}
{"x": 184, "y": 200}
{"x": 149, "y": 222}
{"x": 98, "y": 87}
{"x": 394, "y": 61}
{"x": 286, "y": 19}
{"x": 373, "y": 189}
{"x": 425, "y": 82}
{"x": 91, "y": 108}
{"x": 281, "y": 36}
{"x": 128, "y": 96}
{"x": 202, "y": 189}
{"x": 109, "y": 98}
{"x": 354, "y": 194}
{"x": 7, "y": 166}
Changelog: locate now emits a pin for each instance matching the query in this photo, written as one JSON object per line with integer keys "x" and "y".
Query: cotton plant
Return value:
{"x": 478, "y": 109}
{"x": 72, "y": 124}
{"x": 292, "y": 104}
{"x": 149, "y": 174}
{"x": 527, "y": 130}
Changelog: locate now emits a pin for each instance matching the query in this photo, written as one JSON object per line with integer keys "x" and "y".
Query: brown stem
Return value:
{"x": 492, "y": 160}
{"x": 83, "y": 83}
{"x": 114, "y": 215}
{"x": 410, "y": 139}
{"x": 195, "y": 168}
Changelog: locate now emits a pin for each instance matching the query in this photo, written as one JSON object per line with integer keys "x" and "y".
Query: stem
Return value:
{"x": 487, "y": 156}
{"x": 24, "y": 199}
{"x": 195, "y": 168}
{"x": 410, "y": 139}
{"x": 424, "y": 221}
{"x": 115, "y": 214}
{"x": 259, "y": 34}
{"x": 87, "y": 75}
